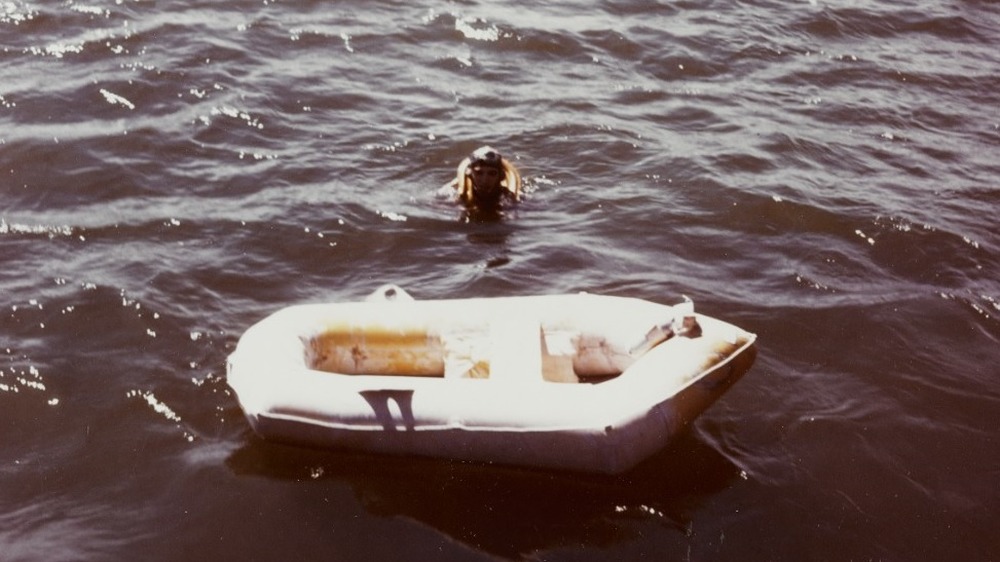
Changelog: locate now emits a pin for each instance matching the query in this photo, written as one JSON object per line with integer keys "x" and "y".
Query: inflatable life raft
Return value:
{"x": 578, "y": 382}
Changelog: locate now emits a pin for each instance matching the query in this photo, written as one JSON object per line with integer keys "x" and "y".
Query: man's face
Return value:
{"x": 485, "y": 179}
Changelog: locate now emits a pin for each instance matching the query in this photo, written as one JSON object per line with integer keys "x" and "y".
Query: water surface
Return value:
{"x": 824, "y": 175}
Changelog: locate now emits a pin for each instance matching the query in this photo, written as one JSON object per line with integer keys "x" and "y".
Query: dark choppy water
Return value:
{"x": 824, "y": 174}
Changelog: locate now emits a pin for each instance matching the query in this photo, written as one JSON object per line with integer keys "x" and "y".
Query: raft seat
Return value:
{"x": 516, "y": 349}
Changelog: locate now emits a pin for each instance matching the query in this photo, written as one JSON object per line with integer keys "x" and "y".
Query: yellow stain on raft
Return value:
{"x": 377, "y": 350}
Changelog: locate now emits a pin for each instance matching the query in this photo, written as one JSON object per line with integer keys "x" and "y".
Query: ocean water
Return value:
{"x": 826, "y": 175}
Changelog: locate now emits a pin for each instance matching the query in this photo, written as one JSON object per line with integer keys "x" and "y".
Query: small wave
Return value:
{"x": 22, "y": 376}
{"x": 471, "y": 29}
{"x": 115, "y": 99}
{"x": 161, "y": 409}
{"x": 36, "y": 230}
{"x": 16, "y": 12}
{"x": 885, "y": 23}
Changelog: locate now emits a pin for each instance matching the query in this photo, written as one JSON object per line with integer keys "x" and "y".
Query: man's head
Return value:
{"x": 486, "y": 170}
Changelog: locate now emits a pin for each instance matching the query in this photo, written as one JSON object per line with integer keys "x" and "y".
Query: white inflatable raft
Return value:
{"x": 578, "y": 382}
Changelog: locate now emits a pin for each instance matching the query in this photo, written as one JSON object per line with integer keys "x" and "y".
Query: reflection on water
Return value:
{"x": 484, "y": 215}
{"x": 510, "y": 511}
{"x": 492, "y": 235}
